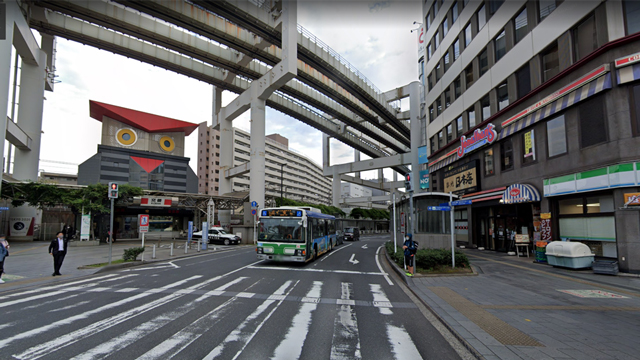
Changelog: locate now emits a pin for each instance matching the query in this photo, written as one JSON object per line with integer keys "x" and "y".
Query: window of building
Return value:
{"x": 447, "y": 63}
{"x": 556, "y": 137}
{"x": 550, "y": 62}
{"x": 436, "y": 40}
{"x": 528, "y": 147}
{"x": 432, "y": 115}
{"x": 471, "y": 118}
{"x": 457, "y": 91}
{"x": 435, "y": 8}
{"x": 488, "y": 162}
{"x": 484, "y": 62}
{"x": 593, "y": 129}
{"x": 454, "y": 12}
{"x": 485, "y": 104}
{"x": 430, "y": 81}
{"x": 521, "y": 25}
{"x": 428, "y": 20}
{"x": 445, "y": 27}
{"x": 482, "y": 17}
{"x": 438, "y": 72}
{"x": 468, "y": 35}
{"x": 449, "y": 133}
{"x": 456, "y": 49}
{"x": 494, "y": 5}
{"x": 501, "y": 45}
{"x": 447, "y": 98}
{"x": 506, "y": 155}
{"x": 589, "y": 219}
{"x": 429, "y": 51}
{"x": 631, "y": 16}
{"x": 585, "y": 39}
{"x": 546, "y": 7}
{"x": 503, "y": 95}
{"x": 433, "y": 144}
{"x": 438, "y": 106}
{"x": 468, "y": 73}
{"x": 440, "y": 139}
{"x": 459, "y": 128}
{"x": 523, "y": 80}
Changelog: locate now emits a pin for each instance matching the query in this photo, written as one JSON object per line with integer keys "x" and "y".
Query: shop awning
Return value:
{"x": 587, "y": 86}
{"x": 519, "y": 193}
{"x": 628, "y": 68}
{"x": 443, "y": 161}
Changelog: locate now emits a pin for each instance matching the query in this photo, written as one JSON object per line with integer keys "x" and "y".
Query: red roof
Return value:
{"x": 140, "y": 120}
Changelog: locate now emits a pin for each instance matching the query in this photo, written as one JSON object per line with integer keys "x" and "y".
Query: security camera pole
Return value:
{"x": 113, "y": 194}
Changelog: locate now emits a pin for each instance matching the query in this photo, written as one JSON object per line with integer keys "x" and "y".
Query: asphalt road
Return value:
{"x": 226, "y": 305}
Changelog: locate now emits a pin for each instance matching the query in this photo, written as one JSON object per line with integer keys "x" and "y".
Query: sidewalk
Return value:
{"x": 516, "y": 309}
{"x": 29, "y": 263}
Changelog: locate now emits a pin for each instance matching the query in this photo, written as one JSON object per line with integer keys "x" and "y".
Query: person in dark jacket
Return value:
{"x": 58, "y": 249}
{"x": 410, "y": 249}
{"x": 4, "y": 252}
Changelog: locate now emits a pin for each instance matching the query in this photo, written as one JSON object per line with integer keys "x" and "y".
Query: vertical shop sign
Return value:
{"x": 529, "y": 141}
{"x": 545, "y": 226}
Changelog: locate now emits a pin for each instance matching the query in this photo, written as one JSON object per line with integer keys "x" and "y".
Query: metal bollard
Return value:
{"x": 186, "y": 246}
{"x": 199, "y": 245}
{"x": 171, "y": 253}
{"x": 153, "y": 256}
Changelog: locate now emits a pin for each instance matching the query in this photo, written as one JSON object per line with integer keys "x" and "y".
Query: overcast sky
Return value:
{"x": 373, "y": 36}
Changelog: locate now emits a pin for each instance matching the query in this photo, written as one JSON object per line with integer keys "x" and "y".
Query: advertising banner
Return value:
{"x": 422, "y": 155}
{"x": 85, "y": 227}
{"x": 463, "y": 179}
{"x": 424, "y": 179}
{"x": 21, "y": 226}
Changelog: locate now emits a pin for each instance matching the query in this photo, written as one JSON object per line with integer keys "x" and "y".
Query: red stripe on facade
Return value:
{"x": 484, "y": 192}
{"x": 167, "y": 202}
{"x": 144, "y": 201}
{"x": 487, "y": 198}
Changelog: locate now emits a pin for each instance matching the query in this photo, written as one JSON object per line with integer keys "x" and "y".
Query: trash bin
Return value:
{"x": 573, "y": 255}
{"x": 541, "y": 248}
{"x": 607, "y": 267}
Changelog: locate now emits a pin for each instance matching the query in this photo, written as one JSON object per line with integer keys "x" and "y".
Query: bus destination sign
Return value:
{"x": 282, "y": 212}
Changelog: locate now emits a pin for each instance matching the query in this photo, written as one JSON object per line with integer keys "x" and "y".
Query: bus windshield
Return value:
{"x": 281, "y": 230}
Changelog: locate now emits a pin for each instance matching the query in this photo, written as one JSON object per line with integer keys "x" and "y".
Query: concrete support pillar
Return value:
{"x": 335, "y": 187}
{"x": 326, "y": 151}
{"x": 380, "y": 176}
{"x": 414, "y": 113}
{"x": 5, "y": 73}
{"x": 257, "y": 157}
{"x": 356, "y": 158}
{"x": 226, "y": 153}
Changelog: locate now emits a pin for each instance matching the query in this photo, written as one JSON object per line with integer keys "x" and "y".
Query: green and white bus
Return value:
{"x": 297, "y": 234}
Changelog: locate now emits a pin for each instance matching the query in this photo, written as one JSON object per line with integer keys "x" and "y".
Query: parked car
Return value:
{"x": 220, "y": 236}
{"x": 352, "y": 234}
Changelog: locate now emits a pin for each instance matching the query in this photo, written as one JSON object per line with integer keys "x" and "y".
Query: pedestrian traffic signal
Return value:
{"x": 407, "y": 183}
{"x": 113, "y": 190}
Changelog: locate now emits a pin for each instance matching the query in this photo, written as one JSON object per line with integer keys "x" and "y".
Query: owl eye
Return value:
{"x": 167, "y": 144}
{"x": 126, "y": 137}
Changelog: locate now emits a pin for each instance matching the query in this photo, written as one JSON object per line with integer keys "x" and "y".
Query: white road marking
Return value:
{"x": 146, "y": 328}
{"x": 353, "y": 259}
{"x": 291, "y": 346}
{"x": 30, "y": 298}
{"x": 380, "y": 298}
{"x": 345, "y": 344}
{"x": 334, "y": 251}
{"x": 126, "y": 290}
{"x": 317, "y": 270}
{"x": 401, "y": 344}
{"x": 70, "y": 306}
{"x": 53, "y": 287}
{"x": 244, "y": 337}
{"x": 365, "y": 246}
{"x": 386, "y": 276}
{"x": 65, "y": 340}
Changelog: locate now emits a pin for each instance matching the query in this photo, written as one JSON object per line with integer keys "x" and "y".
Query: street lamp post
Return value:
{"x": 281, "y": 181}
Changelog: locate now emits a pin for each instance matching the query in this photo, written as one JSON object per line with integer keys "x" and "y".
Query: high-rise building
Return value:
{"x": 532, "y": 112}
{"x": 299, "y": 179}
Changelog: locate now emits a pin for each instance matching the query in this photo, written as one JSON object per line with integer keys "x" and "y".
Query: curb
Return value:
{"x": 410, "y": 284}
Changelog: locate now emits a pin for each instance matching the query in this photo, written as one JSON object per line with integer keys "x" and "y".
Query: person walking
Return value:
{"x": 410, "y": 248}
{"x": 58, "y": 249}
{"x": 4, "y": 252}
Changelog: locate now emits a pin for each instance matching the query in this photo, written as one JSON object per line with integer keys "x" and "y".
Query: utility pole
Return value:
{"x": 281, "y": 181}
{"x": 113, "y": 194}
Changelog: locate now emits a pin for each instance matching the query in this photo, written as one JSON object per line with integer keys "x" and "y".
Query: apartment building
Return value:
{"x": 532, "y": 112}
{"x": 287, "y": 171}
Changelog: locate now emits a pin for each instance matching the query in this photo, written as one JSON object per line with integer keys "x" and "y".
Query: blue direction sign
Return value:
{"x": 439, "y": 208}
{"x": 254, "y": 204}
{"x": 461, "y": 202}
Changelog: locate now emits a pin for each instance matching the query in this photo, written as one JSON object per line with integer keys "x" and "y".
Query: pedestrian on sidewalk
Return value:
{"x": 4, "y": 252}
{"x": 58, "y": 249}
{"x": 410, "y": 248}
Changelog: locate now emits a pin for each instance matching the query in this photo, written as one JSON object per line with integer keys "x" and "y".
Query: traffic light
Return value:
{"x": 407, "y": 183}
{"x": 113, "y": 190}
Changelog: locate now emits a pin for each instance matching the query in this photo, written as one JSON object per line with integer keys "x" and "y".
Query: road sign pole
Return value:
{"x": 143, "y": 247}
{"x": 111, "y": 232}
{"x": 395, "y": 228}
{"x": 453, "y": 247}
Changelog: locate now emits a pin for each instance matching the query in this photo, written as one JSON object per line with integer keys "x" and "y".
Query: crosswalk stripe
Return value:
{"x": 53, "y": 287}
{"x": 70, "y": 306}
{"x": 291, "y": 346}
{"x": 245, "y": 337}
{"x": 345, "y": 344}
{"x": 61, "y": 341}
{"x": 380, "y": 299}
{"x": 126, "y": 290}
{"x": 144, "y": 329}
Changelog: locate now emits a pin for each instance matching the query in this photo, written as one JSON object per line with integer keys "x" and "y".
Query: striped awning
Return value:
{"x": 492, "y": 194}
{"x": 443, "y": 162}
{"x": 520, "y": 193}
{"x": 592, "y": 88}
{"x": 628, "y": 74}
